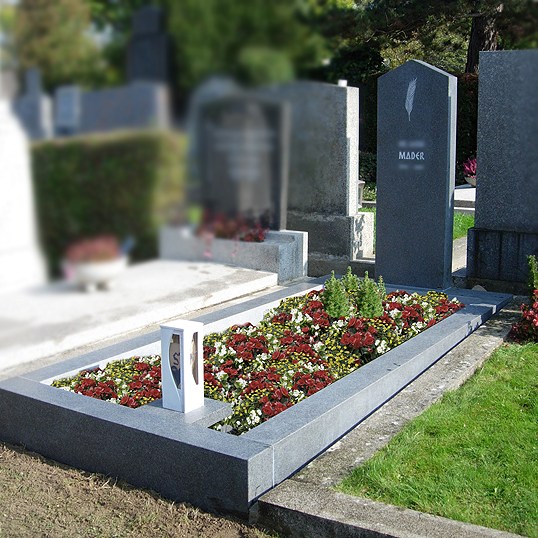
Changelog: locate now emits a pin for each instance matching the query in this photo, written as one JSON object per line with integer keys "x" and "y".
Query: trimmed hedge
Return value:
{"x": 126, "y": 184}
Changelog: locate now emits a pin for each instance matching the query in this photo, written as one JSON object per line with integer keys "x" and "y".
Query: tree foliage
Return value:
{"x": 256, "y": 41}
{"x": 53, "y": 36}
{"x": 7, "y": 21}
{"x": 448, "y": 34}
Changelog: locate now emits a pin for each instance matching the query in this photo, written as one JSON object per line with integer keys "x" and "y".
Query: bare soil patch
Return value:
{"x": 40, "y": 497}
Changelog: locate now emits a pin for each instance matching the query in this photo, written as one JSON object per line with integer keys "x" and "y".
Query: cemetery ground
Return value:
{"x": 42, "y": 497}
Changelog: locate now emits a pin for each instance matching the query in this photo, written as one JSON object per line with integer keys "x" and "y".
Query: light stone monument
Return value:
{"x": 324, "y": 193}
{"x": 21, "y": 263}
{"x": 182, "y": 365}
{"x": 416, "y": 144}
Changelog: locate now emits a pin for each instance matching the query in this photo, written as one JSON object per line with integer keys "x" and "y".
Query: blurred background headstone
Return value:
{"x": 21, "y": 263}
{"x": 34, "y": 107}
{"x": 148, "y": 53}
{"x": 243, "y": 162}
{"x": 67, "y": 110}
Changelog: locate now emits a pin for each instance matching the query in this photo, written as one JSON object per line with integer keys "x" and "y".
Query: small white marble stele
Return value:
{"x": 21, "y": 262}
{"x": 182, "y": 365}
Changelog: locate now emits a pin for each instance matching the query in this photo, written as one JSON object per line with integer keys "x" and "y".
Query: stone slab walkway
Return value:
{"x": 47, "y": 321}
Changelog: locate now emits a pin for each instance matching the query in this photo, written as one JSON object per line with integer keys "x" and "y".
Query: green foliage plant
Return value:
{"x": 335, "y": 298}
{"x": 370, "y": 297}
{"x": 350, "y": 281}
{"x": 124, "y": 184}
{"x": 368, "y": 167}
{"x": 263, "y": 65}
{"x": 54, "y": 37}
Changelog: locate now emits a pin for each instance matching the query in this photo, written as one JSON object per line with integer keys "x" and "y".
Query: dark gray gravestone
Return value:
{"x": 148, "y": 53}
{"x": 137, "y": 105}
{"x": 242, "y": 156}
{"x": 416, "y": 136}
{"x": 506, "y": 210}
{"x": 67, "y": 110}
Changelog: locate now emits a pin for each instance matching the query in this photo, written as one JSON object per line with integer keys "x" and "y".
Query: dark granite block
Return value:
{"x": 415, "y": 175}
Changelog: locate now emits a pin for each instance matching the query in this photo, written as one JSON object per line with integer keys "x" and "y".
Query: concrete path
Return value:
{"x": 48, "y": 321}
{"x": 307, "y": 504}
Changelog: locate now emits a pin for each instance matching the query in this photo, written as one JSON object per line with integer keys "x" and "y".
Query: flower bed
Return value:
{"x": 296, "y": 350}
{"x": 182, "y": 457}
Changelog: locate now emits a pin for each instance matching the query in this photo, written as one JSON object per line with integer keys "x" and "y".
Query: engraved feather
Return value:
{"x": 410, "y": 97}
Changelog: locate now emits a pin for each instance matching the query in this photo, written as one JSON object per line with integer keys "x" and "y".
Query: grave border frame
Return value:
{"x": 212, "y": 470}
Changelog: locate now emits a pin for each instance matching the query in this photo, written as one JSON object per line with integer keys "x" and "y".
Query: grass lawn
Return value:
{"x": 462, "y": 222}
{"x": 473, "y": 456}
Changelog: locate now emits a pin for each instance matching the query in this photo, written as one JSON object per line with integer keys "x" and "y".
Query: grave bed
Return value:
{"x": 178, "y": 455}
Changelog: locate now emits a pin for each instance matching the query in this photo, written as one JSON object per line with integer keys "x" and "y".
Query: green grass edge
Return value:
{"x": 473, "y": 456}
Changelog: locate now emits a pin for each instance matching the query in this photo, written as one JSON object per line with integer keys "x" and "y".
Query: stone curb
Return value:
{"x": 306, "y": 504}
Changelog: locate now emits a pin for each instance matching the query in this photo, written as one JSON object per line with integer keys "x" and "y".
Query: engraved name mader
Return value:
{"x": 411, "y": 155}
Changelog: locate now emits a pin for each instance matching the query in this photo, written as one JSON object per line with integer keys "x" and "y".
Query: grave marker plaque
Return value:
{"x": 242, "y": 156}
{"x": 416, "y": 140}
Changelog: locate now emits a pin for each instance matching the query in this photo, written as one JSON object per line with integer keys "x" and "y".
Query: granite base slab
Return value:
{"x": 284, "y": 252}
{"x": 184, "y": 460}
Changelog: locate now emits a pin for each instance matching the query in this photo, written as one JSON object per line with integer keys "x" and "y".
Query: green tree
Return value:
{"x": 112, "y": 20}
{"x": 448, "y": 34}
{"x": 370, "y": 297}
{"x": 254, "y": 40}
{"x": 54, "y": 37}
{"x": 7, "y": 21}
{"x": 334, "y": 298}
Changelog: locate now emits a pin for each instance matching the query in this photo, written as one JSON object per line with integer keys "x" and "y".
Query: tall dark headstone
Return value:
{"x": 148, "y": 53}
{"x": 416, "y": 141}
{"x": 242, "y": 155}
{"x": 506, "y": 209}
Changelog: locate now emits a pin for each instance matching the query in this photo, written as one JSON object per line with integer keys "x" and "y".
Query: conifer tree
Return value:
{"x": 335, "y": 299}
{"x": 370, "y": 298}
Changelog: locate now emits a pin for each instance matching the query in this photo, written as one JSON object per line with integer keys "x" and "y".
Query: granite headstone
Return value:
{"x": 148, "y": 53}
{"x": 137, "y": 105}
{"x": 324, "y": 168}
{"x": 242, "y": 155}
{"x": 416, "y": 139}
{"x": 34, "y": 108}
{"x": 506, "y": 209}
{"x": 67, "y": 110}
{"x": 213, "y": 88}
